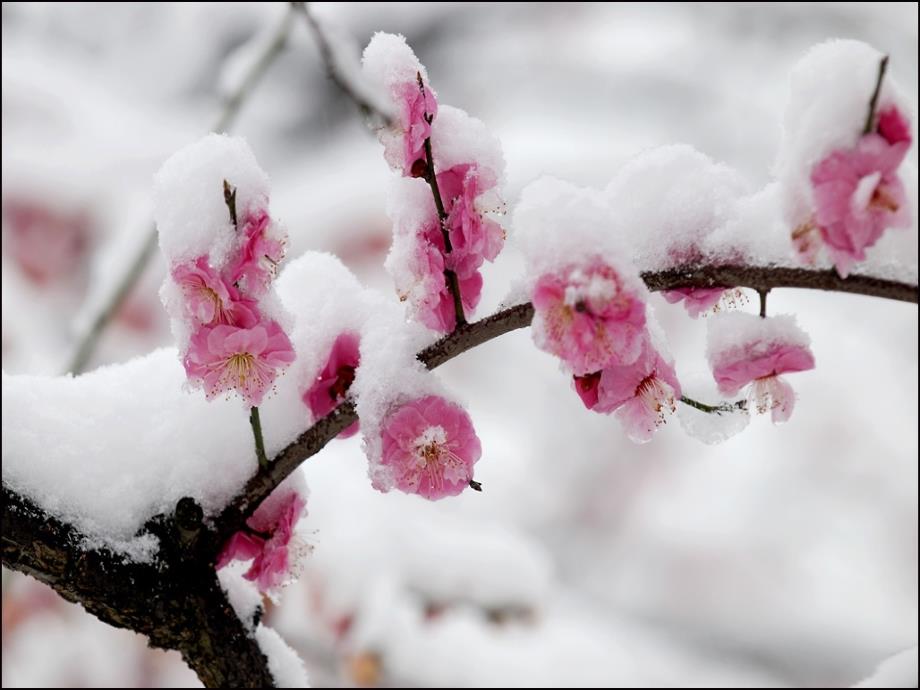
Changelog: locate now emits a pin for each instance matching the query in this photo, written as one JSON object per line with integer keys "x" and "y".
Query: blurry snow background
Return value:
{"x": 785, "y": 557}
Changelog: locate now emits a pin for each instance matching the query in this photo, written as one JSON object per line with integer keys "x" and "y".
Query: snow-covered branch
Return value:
{"x": 175, "y": 601}
{"x": 468, "y": 336}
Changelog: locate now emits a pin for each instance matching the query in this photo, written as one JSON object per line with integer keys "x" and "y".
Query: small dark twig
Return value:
{"x": 450, "y": 277}
{"x": 256, "y": 425}
{"x": 230, "y": 200}
{"x": 367, "y": 108}
{"x": 873, "y": 102}
{"x": 721, "y": 408}
{"x": 475, "y": 486}
{"x": 763, "y": 302}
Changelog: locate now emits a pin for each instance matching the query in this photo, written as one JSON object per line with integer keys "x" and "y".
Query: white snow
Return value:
{"x": 286, "y": 667}
{"x": 457, "y": 138}
{"x": 668, "y": 200}
{"x": 557, "y": 224}
{"x": 243, "y": 595}
{"x": 189, "y": 207}
{"x": 389, "y": 61}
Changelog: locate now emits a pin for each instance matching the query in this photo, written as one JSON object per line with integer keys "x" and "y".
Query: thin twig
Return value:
{"x": 450, "y": 276}
{"x": 873, "y": 102}
{"x": 87, "y": 345}
{"x": 256, "y": 423}
{"x": 471, "y": 335}
{"x": 763, "y": 302}
{"x": 230, "y": 200}
{"x": 334, "y": 70}
{"x": 724, "y": 407}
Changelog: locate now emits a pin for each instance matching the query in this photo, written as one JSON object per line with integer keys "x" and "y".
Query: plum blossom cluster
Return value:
{"x": 590, "y": 307}
{"x": 846, "y": 137}
{"x": 752, "y": 353}
{"x": 443, "y": 231}
{"x": 222, "y": 260}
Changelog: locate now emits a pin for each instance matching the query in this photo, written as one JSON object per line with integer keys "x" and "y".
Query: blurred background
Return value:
{"x": 786, "y": 556}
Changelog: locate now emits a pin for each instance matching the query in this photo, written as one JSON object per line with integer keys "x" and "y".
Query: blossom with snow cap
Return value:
{"x": 858, "y": 193}
{"x": 747, "y": 350}
{"x": 429, "y": 448}
{"x": 589, "y": 316}
{"x": 269, "y": 541}
{"x": 333, "y": 381}
{"x": 641, "y": 393}
{"x": 389, "y": 62}
{"x": 224, "y": 358}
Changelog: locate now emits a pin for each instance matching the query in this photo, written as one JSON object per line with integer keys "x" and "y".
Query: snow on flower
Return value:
{"x": 334, "y": 380}
{"x": 746, "y": 350}
{"x": 222, "y": 247}
{"x": 841, "y": 177}
{"x": 224, "y": 358}
{"x": 389, "y": 62}
{"x": 268, "y": 541}
{"x": 858, "y": 193}
{"x": 587, "y": 316}
{"x": 468, "y": 167}
{"x": 641, "y": 393}
{"x": 429, "y": 448}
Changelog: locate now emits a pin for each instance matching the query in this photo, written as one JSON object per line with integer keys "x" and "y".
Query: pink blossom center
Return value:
{"x": 435, "y": 456}
{"x": 657, "y": 396}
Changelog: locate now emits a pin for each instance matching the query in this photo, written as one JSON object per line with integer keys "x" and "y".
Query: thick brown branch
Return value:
{"x": 468, "y": 336}
{"x": 175, "y": 601}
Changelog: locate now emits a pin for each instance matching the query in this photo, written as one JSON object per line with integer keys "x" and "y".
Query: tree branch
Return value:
{"x": 87, "y": 344}
{"x": 470, "y": 335}
{"x": 176, "y": 601}
{"x": 367, "y": 108}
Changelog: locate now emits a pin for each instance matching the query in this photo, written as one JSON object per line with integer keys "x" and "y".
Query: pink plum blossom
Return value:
{"x": 333, "y": 381}
{"x": 588, "y": 317}
{"x": 641, "y": 393}
{"x": 430, "y": 447}
{"x": 466, "y": 191}
{"x": 417, "y": 107}
{"x": 759, "y": 362}
{"x": 431, "y": 297}
{"x": 696, "y": 300}
{"x": 267, "y": 542}
{"x": 259, "y": 254}
{"x": 209, "y": 300}
{"x": 246, "y": 360}
{"x": 858, "y": 193}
